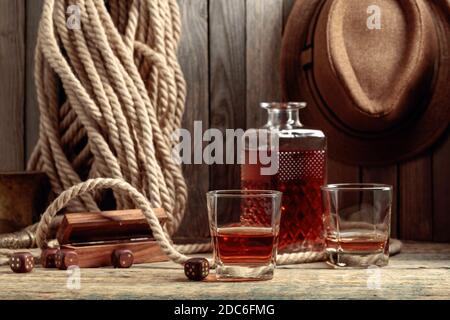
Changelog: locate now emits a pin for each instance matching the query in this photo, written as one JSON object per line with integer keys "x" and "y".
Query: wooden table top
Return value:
{"x": 421, "y": 271}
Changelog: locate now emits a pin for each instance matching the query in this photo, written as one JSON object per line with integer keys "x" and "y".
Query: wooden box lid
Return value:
{"x": 79, "y": 228}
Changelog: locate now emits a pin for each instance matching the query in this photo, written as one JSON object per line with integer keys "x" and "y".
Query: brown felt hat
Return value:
{"x": 375, "y": 74}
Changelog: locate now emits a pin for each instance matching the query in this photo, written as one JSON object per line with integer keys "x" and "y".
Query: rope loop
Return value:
{"x": 120, "y": 186}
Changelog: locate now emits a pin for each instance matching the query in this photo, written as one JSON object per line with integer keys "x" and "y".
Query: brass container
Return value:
{"x": 23, "y": 198}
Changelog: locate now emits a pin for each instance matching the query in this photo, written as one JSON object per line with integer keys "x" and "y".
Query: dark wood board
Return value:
{"x": 12, "y": 79}
{"x": 228, "y": 80}
{"x": 33, "y": 12}
{"x": 193, "y": 54}
{"x": 264, "y": 31}
{"x": 441, "y": 192}
{"x": 415, "y": 199}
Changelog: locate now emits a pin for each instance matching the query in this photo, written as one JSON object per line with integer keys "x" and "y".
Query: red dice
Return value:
{"x": 122, "y": 258}
{"x": 65, "y": 259}
{"x": 21, "y": 262}
{"x": 196, "y": 269}
{"x": 48, "y": 258}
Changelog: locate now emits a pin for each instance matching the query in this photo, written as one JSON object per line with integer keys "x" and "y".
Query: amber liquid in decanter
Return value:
{"x": 301, "y": 172}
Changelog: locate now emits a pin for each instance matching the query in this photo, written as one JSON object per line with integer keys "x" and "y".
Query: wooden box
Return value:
{"x": 95, "y": 235}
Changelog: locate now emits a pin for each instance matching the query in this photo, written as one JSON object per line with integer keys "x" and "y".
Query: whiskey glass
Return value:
{"x": 357, "y": 219}
{"x": 244, "y": 227}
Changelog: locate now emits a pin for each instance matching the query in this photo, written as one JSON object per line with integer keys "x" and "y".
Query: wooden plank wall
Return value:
{"x": 229, "y": 54}
{"x": 33, "y": 12}
{"x": 194, "y": 54}
{"x": 12, "y": 78}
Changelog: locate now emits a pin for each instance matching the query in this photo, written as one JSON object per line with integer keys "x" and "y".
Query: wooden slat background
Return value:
{"x": 12, "y": 79}
{"x": 229, "y": 54}
{"x": 194, "y": 53}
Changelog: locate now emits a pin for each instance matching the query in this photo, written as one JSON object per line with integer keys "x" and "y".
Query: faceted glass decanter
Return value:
{"x": 301, "y": 157}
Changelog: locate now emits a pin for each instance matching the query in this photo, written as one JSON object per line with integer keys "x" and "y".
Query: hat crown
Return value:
{"x": 381, "y": 54}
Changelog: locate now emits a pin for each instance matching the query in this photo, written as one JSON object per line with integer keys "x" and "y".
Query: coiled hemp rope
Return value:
{"x": 124, "y": 97}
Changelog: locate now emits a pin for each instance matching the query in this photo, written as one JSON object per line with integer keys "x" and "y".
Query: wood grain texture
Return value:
{"x": 107, "y": 225}
{"x": 421, "y": 271}
{"x": 193, "y": 56}
{"x": 264, "y": 32}
{"x": 96, "y": 256}
{"x": 33, "y": 14}
{"x": 386, "y": 175}
{"x": 441, "y": 191}
{"x": 415, "y": 199}
{"x": 228, "y": 80}
{"x": 12, "y": 77}
{"x": 342, "y": 173}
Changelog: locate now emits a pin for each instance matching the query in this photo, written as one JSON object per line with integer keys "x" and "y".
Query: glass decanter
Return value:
{"x": 301, "y": 156}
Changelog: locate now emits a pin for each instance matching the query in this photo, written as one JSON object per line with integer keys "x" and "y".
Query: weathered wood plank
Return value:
{"x": 415, "y": 199}
{"x": 387, "y": 175}
{"x": 227, "y": 89}
{"x": 342, "y": 173}
{"x": 193, "y": 55}
{"x": 264, "y": 30}
{"x": 420, "y": 272}
{"x": 12, "y": 77}
{"x": 33, "y": 12}
{"x": 441, "y": 192}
